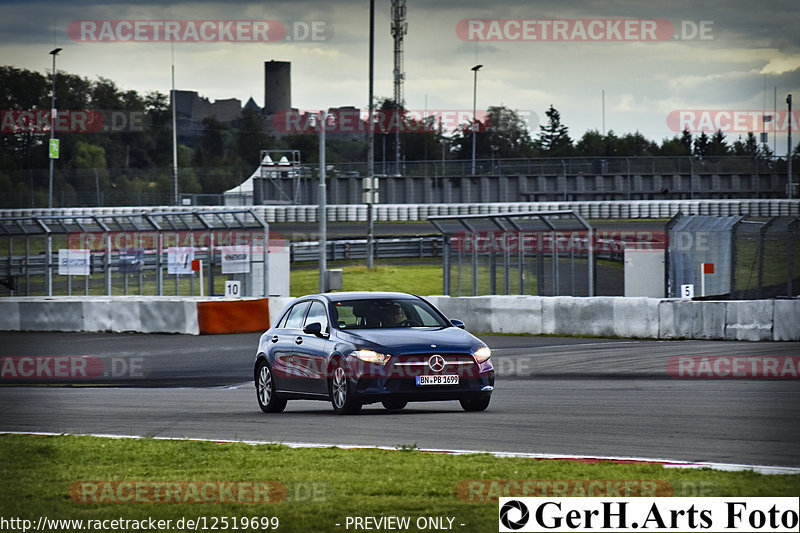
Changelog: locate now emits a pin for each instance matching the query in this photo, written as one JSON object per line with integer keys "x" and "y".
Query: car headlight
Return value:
{"x": 371, "y": 357}
{"x": 482, "y": 354}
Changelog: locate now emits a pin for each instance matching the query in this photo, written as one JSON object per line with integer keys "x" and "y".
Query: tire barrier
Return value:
{"x": 623, "y": 209}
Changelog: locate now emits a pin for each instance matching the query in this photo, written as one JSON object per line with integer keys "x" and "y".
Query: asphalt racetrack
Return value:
{"x": 572, "y": 396}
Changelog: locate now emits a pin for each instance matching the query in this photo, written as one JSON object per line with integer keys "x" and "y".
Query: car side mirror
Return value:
{"x": 458, "y": 323}
{"x": 315, "y": 328}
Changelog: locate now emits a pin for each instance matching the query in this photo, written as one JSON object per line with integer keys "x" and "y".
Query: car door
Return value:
{"x": 284, "y": 339}
{"x": 311, "y": 351}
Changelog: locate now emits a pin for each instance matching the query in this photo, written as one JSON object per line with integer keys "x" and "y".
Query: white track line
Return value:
{"x": 666, "y": 463}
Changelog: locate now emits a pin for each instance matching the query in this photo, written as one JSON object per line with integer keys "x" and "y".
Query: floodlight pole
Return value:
{"x": 322, "y": 214}
{"x": 789, "y": 146}
{"x": 475, "y": 70}
{"x": 175, "y": 200}
{"x": 54, "y": 52}
{"x": 371, "y": 138}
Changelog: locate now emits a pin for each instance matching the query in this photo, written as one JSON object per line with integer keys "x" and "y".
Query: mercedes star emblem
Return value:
{"x": 436, "y": 362}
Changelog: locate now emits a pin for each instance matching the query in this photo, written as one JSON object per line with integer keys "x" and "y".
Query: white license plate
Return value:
{"x": 438, "y": 380}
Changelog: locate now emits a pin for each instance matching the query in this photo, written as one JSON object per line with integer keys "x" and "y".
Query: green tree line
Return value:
{"x": 137, "y": 160}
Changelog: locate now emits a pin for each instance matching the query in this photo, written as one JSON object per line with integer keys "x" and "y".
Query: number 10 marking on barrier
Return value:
{"x": 233, "y": 289}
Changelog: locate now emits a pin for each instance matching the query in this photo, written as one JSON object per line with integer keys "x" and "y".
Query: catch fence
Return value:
{"x": 148, "y": 253}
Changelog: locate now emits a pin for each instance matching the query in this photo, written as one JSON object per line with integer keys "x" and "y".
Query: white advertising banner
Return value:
{"x": 179, "y": 259}
{"x": 74, "y": 262}
{"x": 236, "y": 259}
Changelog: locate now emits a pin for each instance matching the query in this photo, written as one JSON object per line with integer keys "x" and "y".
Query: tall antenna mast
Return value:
{"x": 175, "y": 200}
{"x": 399, "y": 30}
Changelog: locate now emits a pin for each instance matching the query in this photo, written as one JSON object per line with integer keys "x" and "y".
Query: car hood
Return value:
{"x": 401, "y": 341}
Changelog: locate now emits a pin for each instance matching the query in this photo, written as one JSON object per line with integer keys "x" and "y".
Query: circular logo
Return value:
{"x": 523, "y": 514}
{"x": 436, "y": 362}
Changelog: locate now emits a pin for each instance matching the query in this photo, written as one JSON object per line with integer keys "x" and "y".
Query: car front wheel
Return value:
{"x": 475, "y": 404}
{"x": 342, "y": 399}
{"x": 268, "y": 400}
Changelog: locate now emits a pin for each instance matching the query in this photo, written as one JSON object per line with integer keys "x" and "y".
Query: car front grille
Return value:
{"x": 419, "y": 364}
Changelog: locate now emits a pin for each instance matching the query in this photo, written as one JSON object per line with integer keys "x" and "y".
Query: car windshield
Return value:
{"x": 385, "y": 313}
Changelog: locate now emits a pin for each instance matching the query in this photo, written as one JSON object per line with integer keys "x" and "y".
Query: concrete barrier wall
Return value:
{"x": 233, "y": 316}
{"x": 686, "y": 319}
{"x": 749, "y": 321}
{"x": 276, "y": 306}
{"x": 131, "y": 313}
{"x": 9, "y": 315}
{"x": 652, "y": 318}
{"x": 786, "y": 320}
{"x": 187, "y": 315}
{"x": 43, "y": 315}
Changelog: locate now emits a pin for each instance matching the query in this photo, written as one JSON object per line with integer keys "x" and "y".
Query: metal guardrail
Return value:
{"x": 427, "y": 246}
{"x": 384, "y": 248}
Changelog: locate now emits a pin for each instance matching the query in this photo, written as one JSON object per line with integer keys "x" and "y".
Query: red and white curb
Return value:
{"x": 666, "y": 463}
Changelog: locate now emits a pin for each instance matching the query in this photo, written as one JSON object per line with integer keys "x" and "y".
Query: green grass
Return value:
{"x": 417, "y": 276}
{"x": 423, "y": 279}
{"x": 38, "y": 472}
{"x": 776, "y": 255}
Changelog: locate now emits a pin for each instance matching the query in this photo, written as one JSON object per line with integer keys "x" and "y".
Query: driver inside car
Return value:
{"x": 392, "y": 316}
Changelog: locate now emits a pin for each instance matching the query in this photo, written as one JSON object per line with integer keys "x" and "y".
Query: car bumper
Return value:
{"x": 370, "y": 389}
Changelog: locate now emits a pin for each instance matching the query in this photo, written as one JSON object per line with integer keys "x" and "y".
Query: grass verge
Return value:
{"x": 324, "y": 486}
{"x": 423, "y": 279}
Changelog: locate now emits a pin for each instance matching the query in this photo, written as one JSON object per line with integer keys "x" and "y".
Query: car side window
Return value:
{"x": 294, "y": 318}
{"x": 317, "y": 314}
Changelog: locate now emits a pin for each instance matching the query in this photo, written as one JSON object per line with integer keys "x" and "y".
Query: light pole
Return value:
{"x": 371, "y": 138}
{"x": 322, "y": 210}
{"x": 175, "y": 200}
{"x": 54, "y": 52}
{"x": 475, "y": 70}
{"x": 789, "y": 146}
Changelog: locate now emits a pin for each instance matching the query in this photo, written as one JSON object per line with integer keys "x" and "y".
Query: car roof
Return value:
{"x": 362, "y": 295}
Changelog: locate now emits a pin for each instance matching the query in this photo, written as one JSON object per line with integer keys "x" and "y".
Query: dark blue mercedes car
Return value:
{"x": 356, "y": 348}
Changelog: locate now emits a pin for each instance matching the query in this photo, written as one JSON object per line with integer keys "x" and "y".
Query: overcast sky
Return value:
{"x": 740, "y": 52}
